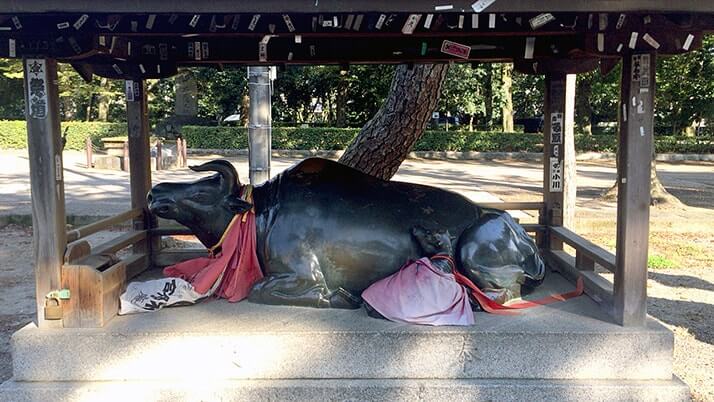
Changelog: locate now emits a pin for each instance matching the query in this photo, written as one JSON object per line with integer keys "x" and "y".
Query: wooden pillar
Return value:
{"x": 559, "y": 152}
{"x": 44, "y": 145}
{"x": 259, "y": 124}
{"x": 637, "y": 89}
{"x": 139, "y": 158}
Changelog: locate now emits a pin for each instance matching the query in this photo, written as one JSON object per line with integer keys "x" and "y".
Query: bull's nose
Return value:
{"x": 160, "y": 205}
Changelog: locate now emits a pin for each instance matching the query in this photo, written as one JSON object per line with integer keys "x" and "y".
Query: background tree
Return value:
{"x": 506, "y": 97}
{"x": 463, "y": 93}
{"x": 12, "y": 101}
{"x": 527, "y": 95}
{"x": 685, "y": 88}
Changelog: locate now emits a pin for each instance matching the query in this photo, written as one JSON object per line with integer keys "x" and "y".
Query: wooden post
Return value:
{"x": 139, "y": 159}
{"x": 158, "y": 154}
{"x": 179, "y": 153}
{"x": 559, "y": 153}
{"x": 637, "y": 89}
{"x": 44, "y": 145}
{"x": 125, "y": 157}
{"x": 184, "y": 154}
{"x": 88, "y": 151}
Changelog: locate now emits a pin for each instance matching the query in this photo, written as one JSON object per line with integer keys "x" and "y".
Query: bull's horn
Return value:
{"x": 224, "y": 168}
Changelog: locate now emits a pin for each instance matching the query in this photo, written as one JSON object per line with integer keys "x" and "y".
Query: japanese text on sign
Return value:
{"x": 37, "y": 88}
{"x": 641, "y": 69}
{"x": 556, "y": 175}
{"x": 556, "y": 128}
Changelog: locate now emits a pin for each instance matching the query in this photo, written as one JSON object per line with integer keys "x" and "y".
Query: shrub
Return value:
{"x": 13, "y": 134}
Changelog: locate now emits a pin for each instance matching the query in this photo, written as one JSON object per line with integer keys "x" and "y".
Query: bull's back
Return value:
{"x": 355, "y": 226}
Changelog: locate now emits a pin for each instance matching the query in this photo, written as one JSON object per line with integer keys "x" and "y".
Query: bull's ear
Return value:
{"x": 237, "y": 205}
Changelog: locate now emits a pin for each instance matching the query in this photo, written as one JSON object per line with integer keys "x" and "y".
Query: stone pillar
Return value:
{"x": 259, "y": 124}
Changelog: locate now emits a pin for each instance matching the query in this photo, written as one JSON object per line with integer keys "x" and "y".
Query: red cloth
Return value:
{"x": 419, "y": 293}
{"x": 493, "y": 307}
{"x": 236, "y": 265}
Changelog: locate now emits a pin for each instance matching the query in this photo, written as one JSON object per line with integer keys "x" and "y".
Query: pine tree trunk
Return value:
{"x": 385, "y": 141}
{"x": 507, "y": 104}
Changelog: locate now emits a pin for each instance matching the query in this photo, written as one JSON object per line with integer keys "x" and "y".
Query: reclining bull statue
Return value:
{"x": 325, "y": 231}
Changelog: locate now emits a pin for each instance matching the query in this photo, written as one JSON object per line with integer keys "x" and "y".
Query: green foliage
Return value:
{"x": 482, "y": 141}
{"x": 527, "y": 95}
{"x": 463, "y": 90}
{"x": 685, "y": 89}
{"x": 13, "y": 134}
{"x": 283, "y": 137}
{"x": 660, "y": 262}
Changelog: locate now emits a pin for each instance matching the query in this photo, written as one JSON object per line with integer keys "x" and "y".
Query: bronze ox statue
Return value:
{"x": 325, "y": 231}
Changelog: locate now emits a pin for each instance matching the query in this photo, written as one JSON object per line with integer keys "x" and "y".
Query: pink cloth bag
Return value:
{"x": 419, "y": 293}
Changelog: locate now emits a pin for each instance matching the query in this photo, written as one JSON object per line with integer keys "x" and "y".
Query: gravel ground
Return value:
{"x": 682, "y": 298}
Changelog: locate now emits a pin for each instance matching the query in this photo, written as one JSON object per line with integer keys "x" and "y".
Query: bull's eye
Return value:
{"x": 200, "y": 197}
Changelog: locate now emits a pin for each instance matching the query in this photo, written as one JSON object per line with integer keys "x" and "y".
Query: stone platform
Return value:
{"x": 222, "y": 351}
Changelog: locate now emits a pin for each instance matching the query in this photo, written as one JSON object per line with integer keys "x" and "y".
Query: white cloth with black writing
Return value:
{"x": 142, "y": 297}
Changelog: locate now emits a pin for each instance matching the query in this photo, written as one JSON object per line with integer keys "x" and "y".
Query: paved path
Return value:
{"x": 92, "y": 192}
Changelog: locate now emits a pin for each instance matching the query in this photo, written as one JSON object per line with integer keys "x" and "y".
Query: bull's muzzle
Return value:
{"x": 164, "y": 207}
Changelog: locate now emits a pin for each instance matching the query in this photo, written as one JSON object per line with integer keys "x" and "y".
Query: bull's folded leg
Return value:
{"x": 289, "y": 289}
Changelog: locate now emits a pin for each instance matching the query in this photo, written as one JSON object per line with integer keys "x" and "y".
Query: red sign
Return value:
{"x": 455, "y": 49}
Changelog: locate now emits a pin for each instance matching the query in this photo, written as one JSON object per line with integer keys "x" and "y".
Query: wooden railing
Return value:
{"x": 95, "y": 276}
{"x": 102, "y": 224}
{"x": 79, "y": 252}
{"x": 587, "y": 254}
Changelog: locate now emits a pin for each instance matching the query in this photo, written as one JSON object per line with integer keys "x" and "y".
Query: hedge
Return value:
{"x": 340, "y": 138}
{"x": 483, "y": 141}
{"x": 13, "y": 133}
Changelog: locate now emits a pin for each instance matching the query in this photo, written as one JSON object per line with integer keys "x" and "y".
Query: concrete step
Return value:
{"x": 217, "y": 340}
{"x": 347, "y": 390}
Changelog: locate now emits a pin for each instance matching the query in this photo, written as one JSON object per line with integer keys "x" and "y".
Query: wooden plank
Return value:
{"x": 171, "y": 231}
{"x": 120, "y": 242}
{"x": 637, "y": 89}
{"x": 139, "y": 159}
{"x": 136, "y": 264}
{"x": 76, "y": 250}
{"x": 166, "y": 258}
{"x": 513, "y": 206}
{"x": 353, "y": 6}
{"x": 581, "y": 244}
{"x": 534, "y": 227}
{"x": 102, "y": 224}
{"x": 559, "y": 152}
{"x": 94, "y": 296}
{"x": 46, "y": 182}
{"x": 112, "y": 285}
{"x": 598, "y": 288}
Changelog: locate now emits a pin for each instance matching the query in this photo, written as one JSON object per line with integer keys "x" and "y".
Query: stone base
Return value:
{"x": 347, "y": 390}
{"x": 243, "y": 351}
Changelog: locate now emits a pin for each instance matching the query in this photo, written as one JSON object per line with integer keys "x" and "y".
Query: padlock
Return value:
{"x": 53, "y": 308}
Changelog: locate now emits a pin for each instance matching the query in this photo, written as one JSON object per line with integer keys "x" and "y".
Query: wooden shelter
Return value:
{"x": 139, "y": 40}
